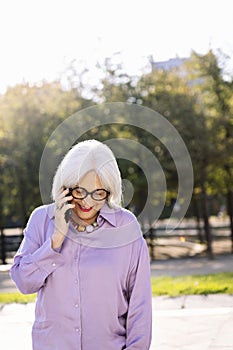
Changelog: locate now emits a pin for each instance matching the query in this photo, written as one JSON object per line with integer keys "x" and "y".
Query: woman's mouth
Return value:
{"x": 85, "y": 210}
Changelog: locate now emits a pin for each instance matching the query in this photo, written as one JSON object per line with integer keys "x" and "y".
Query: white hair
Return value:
{"x": 86, "y": 156}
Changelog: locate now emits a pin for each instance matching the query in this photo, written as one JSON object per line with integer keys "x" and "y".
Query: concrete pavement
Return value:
{"x": 192, "y": 266}
{"x": 193, "y": 323}
{"x": 184, "y": 323}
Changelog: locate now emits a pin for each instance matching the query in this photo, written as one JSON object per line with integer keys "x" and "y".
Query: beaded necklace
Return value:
{"x": 83, "y": 228}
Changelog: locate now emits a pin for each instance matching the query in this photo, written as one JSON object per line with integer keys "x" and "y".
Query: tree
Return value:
{"x": 216, "y": 96}
{"x": 29, "y": 115}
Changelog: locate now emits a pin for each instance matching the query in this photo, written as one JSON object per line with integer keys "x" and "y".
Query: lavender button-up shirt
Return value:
{"x": 92, "y": 294}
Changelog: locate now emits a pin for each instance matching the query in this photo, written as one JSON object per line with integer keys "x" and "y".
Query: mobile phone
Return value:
{"x": 68, "y": 211}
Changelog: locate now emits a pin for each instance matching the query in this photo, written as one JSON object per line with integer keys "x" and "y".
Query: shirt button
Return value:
{"x": 75, "y": 281}
{"x": 77, "y": 329}
{"x": 76, "y": 305}
{"x": 53, "y": 264}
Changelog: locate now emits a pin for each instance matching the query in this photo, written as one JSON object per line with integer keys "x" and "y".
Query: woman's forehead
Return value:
{"x": 90, "y": 180}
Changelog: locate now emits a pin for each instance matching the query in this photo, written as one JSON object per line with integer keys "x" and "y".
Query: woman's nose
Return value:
{"x": 88, "y": 201}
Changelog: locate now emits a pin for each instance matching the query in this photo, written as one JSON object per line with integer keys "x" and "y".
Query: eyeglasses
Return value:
{"x": 80, "y": 193}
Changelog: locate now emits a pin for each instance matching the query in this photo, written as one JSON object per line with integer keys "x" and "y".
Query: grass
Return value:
{"x": 195, "y": 284}
{"x": 170, "y": 286}
{"x": 8, "y": 298}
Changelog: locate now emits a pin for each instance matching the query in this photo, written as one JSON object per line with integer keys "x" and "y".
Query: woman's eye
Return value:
{"x": 79, "y": 192}
{"x": 99, "y": 193}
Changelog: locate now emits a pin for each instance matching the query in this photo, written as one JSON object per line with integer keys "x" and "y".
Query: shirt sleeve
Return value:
{"x": 35, "y": 259}
{"x": 139, "y": 316}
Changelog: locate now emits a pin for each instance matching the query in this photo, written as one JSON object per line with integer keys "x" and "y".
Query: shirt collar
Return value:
{"x": 108, "y": 214}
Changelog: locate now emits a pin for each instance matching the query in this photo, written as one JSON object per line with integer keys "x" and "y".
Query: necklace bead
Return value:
{"x": 82, "y": 228}
{"x": 90, "y": 228}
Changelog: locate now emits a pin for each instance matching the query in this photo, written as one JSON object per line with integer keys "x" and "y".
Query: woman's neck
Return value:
{"x": 83, "y": 222}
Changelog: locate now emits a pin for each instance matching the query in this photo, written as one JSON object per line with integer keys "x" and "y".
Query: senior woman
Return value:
{"x": 85, "y": 257}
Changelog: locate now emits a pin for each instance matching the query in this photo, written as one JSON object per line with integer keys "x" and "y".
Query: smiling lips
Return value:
{"x": 85, "y": 210}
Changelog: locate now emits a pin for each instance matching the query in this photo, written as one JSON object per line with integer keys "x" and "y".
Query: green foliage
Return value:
{"x": 29, "y": 114}
{"x": 197, "y": 99}
{"x": 215, "y": 93}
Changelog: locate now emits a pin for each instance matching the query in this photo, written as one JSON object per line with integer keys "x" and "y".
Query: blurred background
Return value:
{"x": 59, "y": 57}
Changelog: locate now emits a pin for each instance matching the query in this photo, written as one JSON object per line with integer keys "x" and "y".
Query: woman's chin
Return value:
{"x": 86, "y": 215}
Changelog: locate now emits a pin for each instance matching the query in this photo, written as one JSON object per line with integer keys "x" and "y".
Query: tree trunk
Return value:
{"x": 3, "y": 247}
{"x": 152, "y": 235}
{"x": 230, "y": 214}
{"x": 205, "y": 213}
{"x": 198, "y": 220}
{"x": 229, "y": 196}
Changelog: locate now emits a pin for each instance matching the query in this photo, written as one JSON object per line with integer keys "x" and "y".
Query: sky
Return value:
{"x": 39, "y": 39}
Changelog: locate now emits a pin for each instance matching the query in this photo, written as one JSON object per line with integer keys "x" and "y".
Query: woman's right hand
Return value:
{"x": 61, "y": 226}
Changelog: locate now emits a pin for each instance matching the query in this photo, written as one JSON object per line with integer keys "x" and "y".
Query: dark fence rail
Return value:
{"x": 10, "y": 239}
{"x": 9, "y": 243}
{"x": 164, "y": 231}
{"x": 188, "y": 240}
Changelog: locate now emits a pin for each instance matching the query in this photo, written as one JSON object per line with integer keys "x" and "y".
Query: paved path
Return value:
{"x": 192, "y": 266}
{"x": 182, "y": 323}
{"x": 193, "y": 323}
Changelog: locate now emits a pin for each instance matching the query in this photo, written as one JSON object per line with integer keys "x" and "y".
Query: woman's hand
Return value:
{"x": 61, "y": 226}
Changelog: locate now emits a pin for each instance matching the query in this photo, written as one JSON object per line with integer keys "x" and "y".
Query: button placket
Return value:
{"x": 77, "y": 291}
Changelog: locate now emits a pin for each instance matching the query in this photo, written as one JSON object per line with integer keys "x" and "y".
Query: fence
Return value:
{"x": 10, "y": 240}
{"x": 188, "y": 238}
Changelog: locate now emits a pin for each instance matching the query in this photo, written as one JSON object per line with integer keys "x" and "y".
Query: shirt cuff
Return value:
{"x": 47, "y": 258}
